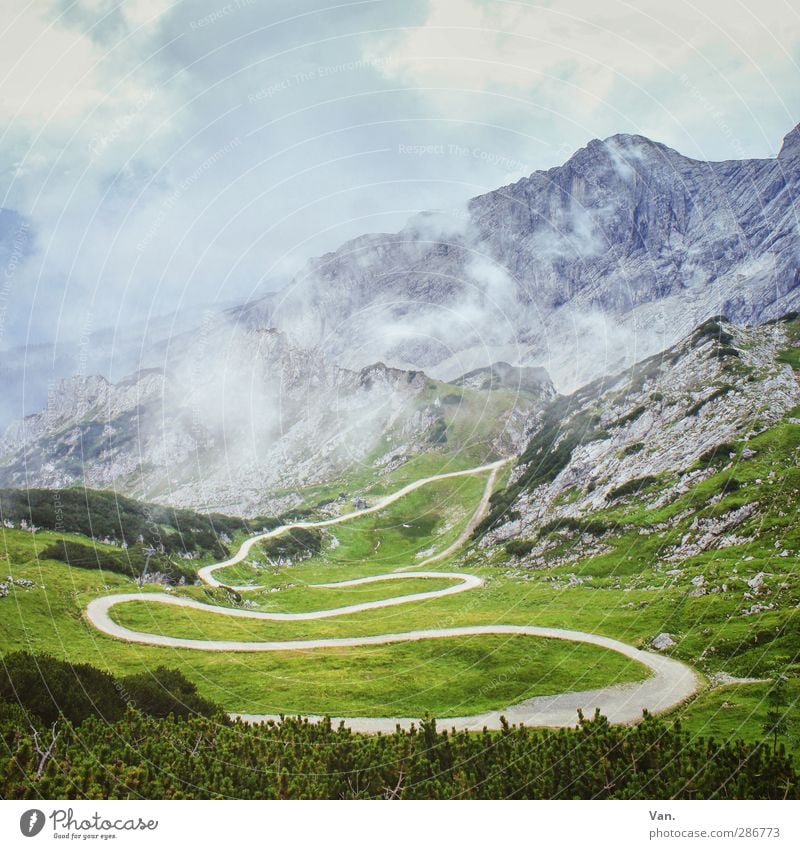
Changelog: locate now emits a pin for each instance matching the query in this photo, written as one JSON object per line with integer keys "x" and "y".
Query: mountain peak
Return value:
{"x": 791, "y": 144}
{"x": 621, "y": 150}
{"x": 630, "y": 140}
{"x": 500, "y": 375}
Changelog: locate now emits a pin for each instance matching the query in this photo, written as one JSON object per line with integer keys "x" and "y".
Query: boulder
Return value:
{"x": 662, "y": 641}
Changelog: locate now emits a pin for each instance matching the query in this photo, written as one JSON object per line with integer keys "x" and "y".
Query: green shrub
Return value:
{"x": 163, "y": 692}
{"x": 100, "y": 515}
{"x": 717, "y": 393}
{"x": 595, "y": 527}
{"x": 717, "y": 454}
{"x": 631, "y": 487}
{"x": 634, "y": 414}
{"x": 519, "y": 547}
{"x": 202, "y": 758}
{"x": 712, "y": 330}
{"x": 295, "y": 544}
{"x": 438, "y": 432}
{"x": 48, "y": 688}
{"x": 731, "y": 485}
{"x": 633, "y": 448}
{"x": 130, "y": 561}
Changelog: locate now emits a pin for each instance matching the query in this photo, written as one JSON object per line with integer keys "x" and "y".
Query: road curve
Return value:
{"x": 206, "y": 574}
{"x": 463, "y": 537}
{"x": 670, "y": 683}
{"x": 97, "y": 611}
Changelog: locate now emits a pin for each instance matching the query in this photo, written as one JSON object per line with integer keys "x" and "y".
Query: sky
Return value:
{"x": 158, "y": 157}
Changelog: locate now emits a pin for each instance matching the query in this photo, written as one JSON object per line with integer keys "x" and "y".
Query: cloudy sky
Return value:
{"x": 159, "y": 155}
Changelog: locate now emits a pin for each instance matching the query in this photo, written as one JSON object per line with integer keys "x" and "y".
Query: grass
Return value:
{"x": 450, "y": 677}
{"x": 627, "y": 593}
{"x": 426, "y": 520}
{"x": 444, "y": 677}
{"x": 791, "y": 356}
{"x": 500, "y": 602}
{"x": 300, "y": 599}
{"x": 471, "y": 428}
{"x": 739, "y": 710}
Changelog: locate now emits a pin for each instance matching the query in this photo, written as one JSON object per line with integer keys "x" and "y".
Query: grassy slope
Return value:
{"x": 427, "y": 519}
{"x": 445, "y": 677}
{"x": 714, "y": 632}
{"x": 626, "y": 594}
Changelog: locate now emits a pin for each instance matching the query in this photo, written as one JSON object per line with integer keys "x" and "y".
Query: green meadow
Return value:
{"x": 624, "y": 592}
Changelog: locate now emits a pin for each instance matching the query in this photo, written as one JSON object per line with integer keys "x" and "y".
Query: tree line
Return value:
{"x": 105, "y": 515}
{"x": 125, "y": 747}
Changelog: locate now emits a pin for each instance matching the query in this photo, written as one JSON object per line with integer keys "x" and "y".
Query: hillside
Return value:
{"x": 676, "y": 485}
{"x": 441, "y": 340}
{"x": 699, "y": 400}
{"x": 584, "y": 269}
{"x": 240, "y": 422}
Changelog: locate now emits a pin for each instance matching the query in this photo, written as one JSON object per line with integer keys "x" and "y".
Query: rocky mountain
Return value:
{"x": 443, "y": 338}
{"x": 657, "y": 428}
{"x": 28, "y": 372}
{"x": 583, "y": 269}
{"x": 237, "y": 421}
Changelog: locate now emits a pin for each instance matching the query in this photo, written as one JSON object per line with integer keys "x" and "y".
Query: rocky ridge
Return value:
{"x": 616, "y": 436}
{"x": 584, "y": 268}
{"x": 238, "y": 422}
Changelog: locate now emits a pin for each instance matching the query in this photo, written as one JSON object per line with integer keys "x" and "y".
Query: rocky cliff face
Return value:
{"x": 238, "y": 421}
{"x": 583, "y": 268}
{"x": 617, "y": 436}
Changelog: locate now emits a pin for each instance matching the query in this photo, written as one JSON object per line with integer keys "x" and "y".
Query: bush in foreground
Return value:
{"x": 48, "y": 690}
{"x": 197, "y": 758}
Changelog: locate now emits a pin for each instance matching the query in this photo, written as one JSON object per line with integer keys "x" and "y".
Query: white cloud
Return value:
{"x": 636, "y": 65}
{"x": 141, "y": 12}
{"x": 108, "y": 108}
{"x": 468, "y": 43}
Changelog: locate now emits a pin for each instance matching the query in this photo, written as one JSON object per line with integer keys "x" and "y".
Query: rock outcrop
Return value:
{"x": 584, "y": 268}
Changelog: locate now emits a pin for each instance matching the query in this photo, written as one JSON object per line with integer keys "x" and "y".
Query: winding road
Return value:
{"x": 206, "y": 574}
{"x": 670, "y": 683}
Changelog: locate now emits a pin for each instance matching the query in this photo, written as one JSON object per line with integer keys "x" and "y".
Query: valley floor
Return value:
{"x": 614, "y": 601}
